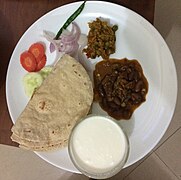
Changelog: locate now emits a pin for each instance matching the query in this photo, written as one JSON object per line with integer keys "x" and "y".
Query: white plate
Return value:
{"x": 136, "y": 39}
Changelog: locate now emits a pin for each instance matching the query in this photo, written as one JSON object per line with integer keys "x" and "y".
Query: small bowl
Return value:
{"x": 98, "y": 147}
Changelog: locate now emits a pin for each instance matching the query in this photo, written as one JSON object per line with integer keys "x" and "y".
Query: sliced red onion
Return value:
{"x": 67, "y": 42}
{"x": 70, "y": 42}
{"x": 50, "y": 37}
{"x": 73, "y": 35}
{"x": 52, "y": 47}
{"x": 70, "y": 49}
{"x": 82, "y": 40}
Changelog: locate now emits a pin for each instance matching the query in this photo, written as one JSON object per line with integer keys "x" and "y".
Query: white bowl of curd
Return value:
{"x": 98, "y": 147}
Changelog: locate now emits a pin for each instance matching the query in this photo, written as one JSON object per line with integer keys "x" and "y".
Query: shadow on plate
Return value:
{"x": 127, "y": 125}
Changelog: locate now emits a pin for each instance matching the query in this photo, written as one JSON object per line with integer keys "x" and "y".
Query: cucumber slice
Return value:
{"x": 31, "y": 81}
{"x": 45, "y": 71}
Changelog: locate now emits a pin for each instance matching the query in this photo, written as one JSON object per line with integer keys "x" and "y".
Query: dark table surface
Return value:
{"x": 15, "y": 17}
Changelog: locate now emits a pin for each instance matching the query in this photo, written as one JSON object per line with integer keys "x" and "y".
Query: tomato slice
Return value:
{"x": 28, "y": 61}
{"x": 38, "y": 50}
{"x": 41, "y": 63}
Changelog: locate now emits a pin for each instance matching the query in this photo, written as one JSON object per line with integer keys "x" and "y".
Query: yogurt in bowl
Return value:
{"x": 98, "y": 147}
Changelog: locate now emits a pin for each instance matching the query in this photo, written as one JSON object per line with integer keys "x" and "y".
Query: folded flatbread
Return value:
{"x": 64, "y": 97}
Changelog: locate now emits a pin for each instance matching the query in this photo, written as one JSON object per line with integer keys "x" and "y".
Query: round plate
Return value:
{"x": 136, "y": 39}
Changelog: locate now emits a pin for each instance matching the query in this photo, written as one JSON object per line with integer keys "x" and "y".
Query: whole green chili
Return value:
{"x": 70, "y": 19}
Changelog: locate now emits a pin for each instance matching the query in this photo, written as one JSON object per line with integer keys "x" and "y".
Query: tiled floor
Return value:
{"x": 163, "y": 163}
{"x": 152, "y": 169}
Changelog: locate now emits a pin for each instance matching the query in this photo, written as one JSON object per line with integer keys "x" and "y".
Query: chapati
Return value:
{"x": 64, "y": 97}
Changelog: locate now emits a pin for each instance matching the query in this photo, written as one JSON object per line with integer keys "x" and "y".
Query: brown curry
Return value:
{"x": 120, "y": 87}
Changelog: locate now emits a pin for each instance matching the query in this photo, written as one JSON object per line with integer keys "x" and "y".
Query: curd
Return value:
{"x": 98, "y": 145}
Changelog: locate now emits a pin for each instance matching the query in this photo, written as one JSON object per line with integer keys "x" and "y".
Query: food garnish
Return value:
{"x": 41, "y": 63}
{"x": 33, "y": 80}
{"x": 70, "y": 19}
{"x": 34, "y": 59}
{"x": 28, "y": 61}
{"x": 55, "y": 107}
{"x": 38, "y": 50}
{"x": 120, "y": 86}
{"x": 101, "y": 39}
{"x": 45, "y": 71}
{"x": 67, "y": 43}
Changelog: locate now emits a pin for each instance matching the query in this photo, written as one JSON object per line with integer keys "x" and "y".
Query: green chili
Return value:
{"x": 70, "y": 19}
